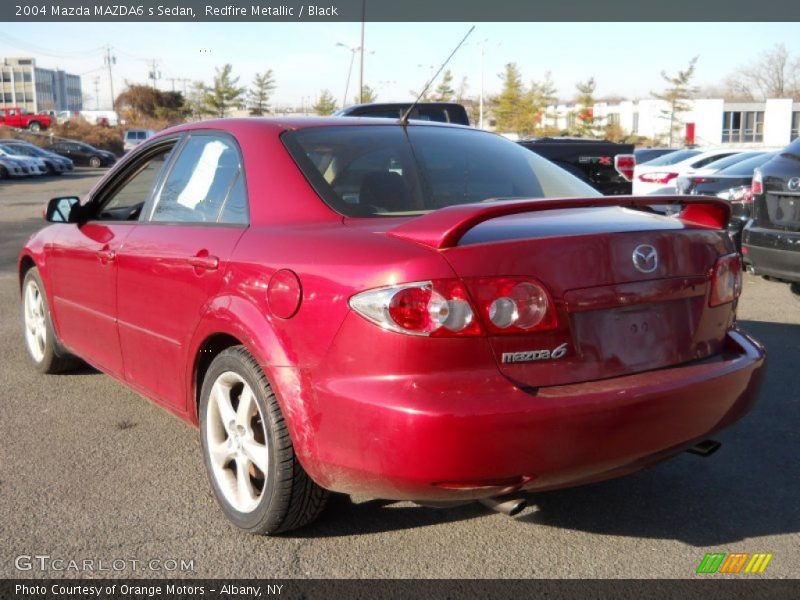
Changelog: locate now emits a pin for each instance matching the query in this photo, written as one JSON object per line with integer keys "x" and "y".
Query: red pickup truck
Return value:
{"x": 20, "y": 118}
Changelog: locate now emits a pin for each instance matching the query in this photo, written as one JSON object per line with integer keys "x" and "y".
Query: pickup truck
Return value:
{"x": 606, "y": 166}
{"x": 21, "y": 119}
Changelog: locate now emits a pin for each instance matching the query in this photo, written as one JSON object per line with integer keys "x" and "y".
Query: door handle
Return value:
{"x": 106, "y": 255}
{"x": 207, "y": 262}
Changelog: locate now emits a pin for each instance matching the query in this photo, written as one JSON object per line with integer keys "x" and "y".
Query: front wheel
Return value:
{"x": 40, "y": 338}
{"x": 254, "y": 472}
{"x": 95, "y": 162}
{"x": 34, "y": 126}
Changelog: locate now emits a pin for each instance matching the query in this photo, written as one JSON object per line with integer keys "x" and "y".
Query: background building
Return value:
{"x": 24, "y": 84}
{"x": 774, "y": 122}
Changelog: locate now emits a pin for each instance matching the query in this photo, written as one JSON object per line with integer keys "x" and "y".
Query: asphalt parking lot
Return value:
{"x": 91, "y": 470}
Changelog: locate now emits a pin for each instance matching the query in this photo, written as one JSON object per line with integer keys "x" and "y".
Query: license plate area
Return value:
{"x": 638, "y": 338}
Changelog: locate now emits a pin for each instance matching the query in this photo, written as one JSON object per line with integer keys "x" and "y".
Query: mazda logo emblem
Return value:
{"x": 645, "y": 258}
{"x": 794, "y": 184}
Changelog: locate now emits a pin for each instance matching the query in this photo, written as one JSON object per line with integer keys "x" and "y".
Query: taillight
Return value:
{"x": 726, "y": 280}
{"x": 625, "y": 164}
{"x": 442, "y": 307}
{"x": 513, "y": 304}
{"x": 758, "y": 182}
{"x": 704, "y": 179}
{"x": 432, "y": 308}
{"x": 657, "y": 177}
{"x": 741, "y": 195}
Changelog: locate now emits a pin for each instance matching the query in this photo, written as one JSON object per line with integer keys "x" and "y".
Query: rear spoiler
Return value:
{"x": 443, "y": 228}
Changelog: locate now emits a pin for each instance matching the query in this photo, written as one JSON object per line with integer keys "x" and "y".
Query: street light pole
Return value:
{"x": 349, "y": 70}
{"x": 480, "y": 102}
{"x": 361, "y": 74}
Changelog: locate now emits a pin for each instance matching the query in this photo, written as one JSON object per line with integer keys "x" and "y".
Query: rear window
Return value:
{"x": 700, "y": 163}
{"x": 673, "y": 158}
{"x": 366, "y": 171}
{"x": 792, "y": 150}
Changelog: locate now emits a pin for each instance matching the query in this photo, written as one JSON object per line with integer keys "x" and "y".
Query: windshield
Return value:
{"x": 366, "y": 171}
{"x": 745, "y": 168}
{"x": 18, "y": 149}
{"x": 672, "y": 158}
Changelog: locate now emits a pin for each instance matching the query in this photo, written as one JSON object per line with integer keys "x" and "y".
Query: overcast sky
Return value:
{"x": 624, "y": 58}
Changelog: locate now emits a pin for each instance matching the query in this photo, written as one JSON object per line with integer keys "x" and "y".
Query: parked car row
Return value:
{"x": 19, "y": 158}
{"x": 762, "y": 187}
{"x": 23, "y": 159}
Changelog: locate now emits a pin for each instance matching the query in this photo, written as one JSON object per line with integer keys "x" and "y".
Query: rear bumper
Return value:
{"x": 773, "y": 253}
{"x": 450, "y": 436}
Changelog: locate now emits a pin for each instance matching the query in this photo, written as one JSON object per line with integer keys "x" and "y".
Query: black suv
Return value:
{"x": 441, "y": 112}
{"x": 771, "y": 240}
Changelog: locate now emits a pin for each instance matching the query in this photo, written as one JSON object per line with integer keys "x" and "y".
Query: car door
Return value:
{"x": 174, "y": 263}
{"x": 82, "y": 261}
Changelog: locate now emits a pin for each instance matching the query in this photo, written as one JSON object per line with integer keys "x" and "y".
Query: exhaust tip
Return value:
{"x": 509, "y": 508}
{"x": 705, "y": 448}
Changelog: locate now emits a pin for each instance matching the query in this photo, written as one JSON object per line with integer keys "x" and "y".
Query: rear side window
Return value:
{"x": 200, "y": 182}
{"x": 392, "y": 170}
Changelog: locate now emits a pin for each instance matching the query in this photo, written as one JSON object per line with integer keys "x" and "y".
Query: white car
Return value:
{"x": 36, "y": 166}
{"x": 661, "y": 173}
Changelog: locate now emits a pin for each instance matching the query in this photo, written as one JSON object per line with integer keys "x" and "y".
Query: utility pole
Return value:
{"x": 154, "y": 74}
{"x": 110, "y": 60}
{"x": 361, "y": 75}
{"x": 97, "y": 93}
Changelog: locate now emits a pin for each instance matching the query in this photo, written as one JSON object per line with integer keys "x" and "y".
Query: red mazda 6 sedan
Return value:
{"x": 408, "y": 311}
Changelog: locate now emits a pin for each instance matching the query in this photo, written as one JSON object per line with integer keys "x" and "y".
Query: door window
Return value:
{"x": 201, "y": 183}
{"x": 126, "y": 201}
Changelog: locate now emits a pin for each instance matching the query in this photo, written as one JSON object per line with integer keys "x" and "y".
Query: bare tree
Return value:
{"x": 677, "y": 95}
{"x": 776, "y": 74}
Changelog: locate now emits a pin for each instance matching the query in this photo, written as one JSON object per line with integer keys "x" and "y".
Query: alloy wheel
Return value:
{"x": 236, "y": 441}
{"x": 35, "y": 321}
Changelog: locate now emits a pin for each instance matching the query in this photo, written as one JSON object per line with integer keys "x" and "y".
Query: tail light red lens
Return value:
{"x": 625, "y": 164}
{"x": 657, "y": 177}
{"x": 443, "y": 308}
{"x": 726, "y": 280}
{"x": 513, "y": 305}
{"x": 431, "y": 308}
{"x": 742, "y": 195}
{"x": 758, "y": 183}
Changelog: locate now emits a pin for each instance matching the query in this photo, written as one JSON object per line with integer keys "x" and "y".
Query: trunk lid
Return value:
{"x": 613, "y": 318}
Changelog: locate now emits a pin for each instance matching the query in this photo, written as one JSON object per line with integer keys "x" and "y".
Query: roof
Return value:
{"x": 279, "y": 124}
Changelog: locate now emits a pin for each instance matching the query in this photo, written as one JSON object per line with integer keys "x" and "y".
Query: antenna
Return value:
{"x": 404, "y": 118}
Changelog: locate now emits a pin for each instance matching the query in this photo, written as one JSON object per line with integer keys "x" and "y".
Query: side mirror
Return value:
{"x": 59, "y": 210}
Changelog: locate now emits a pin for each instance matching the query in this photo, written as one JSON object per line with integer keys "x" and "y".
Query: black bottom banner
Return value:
{"x": 246, "y": 589}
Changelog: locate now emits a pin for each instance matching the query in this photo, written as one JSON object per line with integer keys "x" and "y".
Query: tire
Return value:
{"x": 95, "y": 162}
{"x": 795, "y": 288}
{"x": 51, "y": 169}
{"x": 276, "y": 496}
{"x": 41, "y": 343}
{"x": 34, "y": 126}
{"x": 3, "y": 173}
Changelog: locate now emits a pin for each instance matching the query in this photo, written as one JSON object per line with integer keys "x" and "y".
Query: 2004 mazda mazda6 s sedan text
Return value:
{"x": 407, "y": 311}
